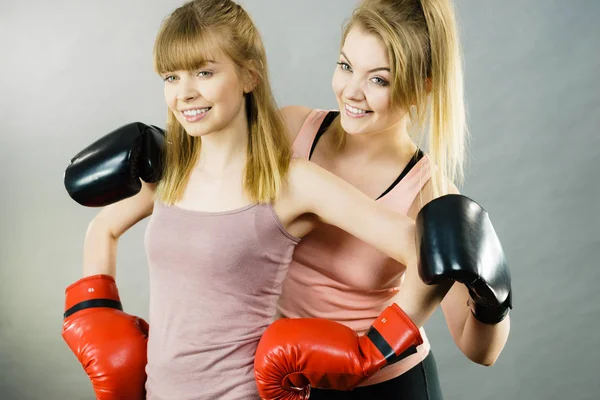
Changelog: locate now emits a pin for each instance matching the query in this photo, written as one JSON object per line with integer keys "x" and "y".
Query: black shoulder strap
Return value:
{"x": 324, "y": 125}
{"x": 413, "y": 161}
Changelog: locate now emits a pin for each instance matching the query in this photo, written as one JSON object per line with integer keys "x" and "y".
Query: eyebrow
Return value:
{"x": 205, "y": 62}
{"x": 371, "y": 70}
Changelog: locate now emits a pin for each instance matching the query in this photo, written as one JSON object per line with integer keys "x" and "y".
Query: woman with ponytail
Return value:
{"x": 399, "y": 87}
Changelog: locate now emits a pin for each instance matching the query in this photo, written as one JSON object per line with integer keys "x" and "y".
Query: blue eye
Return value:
{"x": 169, "y": 78}
{"x": 204, "y": 74}
{"x": 344, "y": 66}
{"x": 379, "y": 81}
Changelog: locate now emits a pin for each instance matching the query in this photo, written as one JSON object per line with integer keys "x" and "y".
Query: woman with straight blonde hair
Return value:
{"x": 227, "y": 212}
{"x": 399, "y": 86}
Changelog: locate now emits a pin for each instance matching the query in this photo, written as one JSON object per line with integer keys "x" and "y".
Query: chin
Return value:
{"x": 352, "y": 127}
{"x": 353, "y": 132}
{"x": 196, "y": 132}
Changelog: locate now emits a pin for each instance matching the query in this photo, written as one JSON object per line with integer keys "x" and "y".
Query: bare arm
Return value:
{"x": 101, "y": 239}
{"x": 481, "y": 343}
{"x": 338, "y": 203}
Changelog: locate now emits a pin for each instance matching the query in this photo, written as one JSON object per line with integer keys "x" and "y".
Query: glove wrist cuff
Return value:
{"x": 92, "y": 291}
{"x": 394, "y": 335}
{"x": 489, "y": 315}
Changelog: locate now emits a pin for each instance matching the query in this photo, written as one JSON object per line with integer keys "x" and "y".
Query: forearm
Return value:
{"x": 483, "y": 343}
{"x": 418, "y": 300}
{"x": 99, "y": 250}
{"x": 479, "y": 342}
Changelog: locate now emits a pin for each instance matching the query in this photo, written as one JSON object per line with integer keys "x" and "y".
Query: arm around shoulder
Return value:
{"x": 338, "y": 203}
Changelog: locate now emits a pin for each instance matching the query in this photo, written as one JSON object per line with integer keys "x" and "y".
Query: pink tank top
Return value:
{"x": 336, "y": 276}
{"x": 215, "y": 278}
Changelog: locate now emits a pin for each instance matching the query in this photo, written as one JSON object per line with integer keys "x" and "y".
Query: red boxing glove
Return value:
{"x": 110, "y": 344}
{"x": 295, "y": 354}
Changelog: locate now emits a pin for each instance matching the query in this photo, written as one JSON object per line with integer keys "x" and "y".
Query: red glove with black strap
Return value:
{"x": 110, "y": 344}
{"x": 295, "y": 354}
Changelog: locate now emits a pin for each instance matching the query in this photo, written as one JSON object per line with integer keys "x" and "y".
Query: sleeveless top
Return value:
{"x": 215, "y": 278}
{"x": 336, "y": 276}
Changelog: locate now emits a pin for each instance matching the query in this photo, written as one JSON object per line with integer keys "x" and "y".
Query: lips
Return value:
{"x": 195, "y": 114}
{"x": 195, "y": 111}
{"x": 355, "y": 112}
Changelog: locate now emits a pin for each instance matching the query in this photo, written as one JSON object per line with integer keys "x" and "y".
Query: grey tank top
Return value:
{"x": 215, "y": 278}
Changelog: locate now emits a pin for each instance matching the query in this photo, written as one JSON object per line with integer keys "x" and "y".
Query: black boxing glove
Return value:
{"x": 110, "y": 169}
{"x": 456, "y": 241}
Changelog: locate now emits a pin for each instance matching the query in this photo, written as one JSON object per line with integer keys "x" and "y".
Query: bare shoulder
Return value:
{"x": 294, "y": 117}
{"x": 425, "y": 195}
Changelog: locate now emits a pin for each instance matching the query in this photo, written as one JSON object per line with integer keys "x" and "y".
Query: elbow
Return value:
{"x": 487, "y": 359}
{"x": 483, "y": 353}
{"x": 485, "y": 345}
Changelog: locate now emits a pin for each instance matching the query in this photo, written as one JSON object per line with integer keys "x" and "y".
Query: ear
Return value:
{"x": 251, "y": 79}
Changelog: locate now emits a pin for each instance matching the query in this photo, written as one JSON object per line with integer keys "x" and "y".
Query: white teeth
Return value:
{"x": 355, "y": 110}
{"x": 197, "y": 111}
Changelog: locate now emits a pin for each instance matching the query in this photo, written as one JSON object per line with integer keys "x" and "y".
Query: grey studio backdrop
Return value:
{"x": 72, "y": 71}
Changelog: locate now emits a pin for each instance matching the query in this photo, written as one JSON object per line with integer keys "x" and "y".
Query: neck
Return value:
{"x": 225, "y": 149}
{"x": 380, "y": 145}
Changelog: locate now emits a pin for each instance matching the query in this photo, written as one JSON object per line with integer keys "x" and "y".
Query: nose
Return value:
{"x": 353, "y": 90}
{"x": 187, "y": 90}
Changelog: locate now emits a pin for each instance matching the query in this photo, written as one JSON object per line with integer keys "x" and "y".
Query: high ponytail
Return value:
{"x": 447, "y": 133}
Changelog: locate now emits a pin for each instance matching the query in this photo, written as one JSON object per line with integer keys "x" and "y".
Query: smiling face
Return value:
{"x": 361, "y": 83}
{"x": 207, "y": 99}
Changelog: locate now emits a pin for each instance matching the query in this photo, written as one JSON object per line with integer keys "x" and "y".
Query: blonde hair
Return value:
{"x": 190, "y": 36}
{"x": 426, "y": 68}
